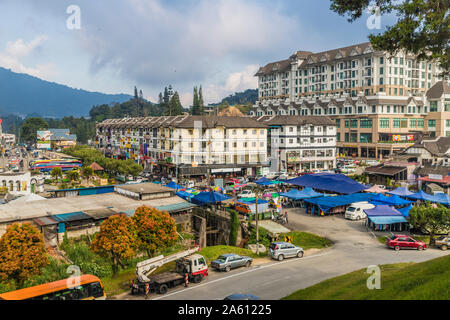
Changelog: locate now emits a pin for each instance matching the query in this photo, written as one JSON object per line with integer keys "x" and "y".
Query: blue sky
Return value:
{"x": 218, "y": 44}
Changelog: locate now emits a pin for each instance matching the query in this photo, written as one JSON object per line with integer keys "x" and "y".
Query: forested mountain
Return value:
{"x": 24, "y": 94}
{"x": 246, "y": 97}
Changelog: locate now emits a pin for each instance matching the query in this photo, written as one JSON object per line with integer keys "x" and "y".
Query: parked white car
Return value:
{"x": 246, "y": 194}
{"x": 356, "y": 210}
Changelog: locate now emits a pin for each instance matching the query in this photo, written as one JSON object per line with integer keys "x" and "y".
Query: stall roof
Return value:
{"x": 101, "y": 213}
{"x": 394, "y": 200}
{"x": 176, "y": 207}
{"x": 401, "y": 191}
{"x": 271, "y": 226}
{"x": 329, "y": 182}
{"x": 45, "y": 221}
{"x": 173, "y": 185}
{"x": 299, "y": 195}
{"x": 326, "y": 203}
{"x": 72, "y": 216}
{"x": 382, "y": 210}
{"x": 209, "y": 197}
{"x": 443, "y": 198}
{"x": 387, "y": 219}
{"x": 422, "y": 196}
{"x": 405, "y": 211}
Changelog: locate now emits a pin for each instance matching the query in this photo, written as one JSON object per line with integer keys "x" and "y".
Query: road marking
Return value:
{"x": 245, "y": 272}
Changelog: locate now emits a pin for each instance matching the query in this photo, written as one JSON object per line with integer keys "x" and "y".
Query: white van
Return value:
{"x": 356, "y": 210}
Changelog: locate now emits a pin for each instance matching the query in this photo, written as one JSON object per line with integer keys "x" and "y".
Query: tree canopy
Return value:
{"x": 432, "y": 218}
{"x": 30, "y": 127}
{"x": 422, "y": 27}
{"x": 117, "y": 240}
{"x": 156, "y": 229}
{"x": 22, "y": 253}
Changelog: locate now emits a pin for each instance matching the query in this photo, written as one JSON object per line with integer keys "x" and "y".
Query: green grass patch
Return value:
{"x": 307, "y": 240}
{"x": 212, "y": 253}
{"x": 428, "y": 280}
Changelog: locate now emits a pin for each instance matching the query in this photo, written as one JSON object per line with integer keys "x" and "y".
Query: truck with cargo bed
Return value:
{"x": 188, "y": 264}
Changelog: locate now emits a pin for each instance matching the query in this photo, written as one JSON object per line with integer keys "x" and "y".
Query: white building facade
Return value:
{"x": 300, "y": 144}
{"x": 188, "y": 145}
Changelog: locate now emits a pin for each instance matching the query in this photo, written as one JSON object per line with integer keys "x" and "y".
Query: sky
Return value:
{"x": 111, "y": 46}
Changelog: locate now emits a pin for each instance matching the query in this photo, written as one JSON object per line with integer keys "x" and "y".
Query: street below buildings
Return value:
{"x": 354, "y": 248}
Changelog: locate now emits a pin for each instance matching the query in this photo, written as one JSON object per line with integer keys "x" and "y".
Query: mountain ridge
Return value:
{"x": 23, "y": 94}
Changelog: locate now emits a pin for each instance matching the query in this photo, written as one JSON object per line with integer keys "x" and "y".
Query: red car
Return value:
{"x": 404, "y": 242}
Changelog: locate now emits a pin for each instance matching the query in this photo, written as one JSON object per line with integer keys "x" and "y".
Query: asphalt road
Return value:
{"x": 354, "y": 249}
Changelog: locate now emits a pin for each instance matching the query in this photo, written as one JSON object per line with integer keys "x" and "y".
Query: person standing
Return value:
{"x": 286, "y": 217}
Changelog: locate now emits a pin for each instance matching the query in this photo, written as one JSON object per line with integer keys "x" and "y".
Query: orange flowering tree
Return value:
{"x": 117, "y": 240}
{"x": 156, "y": 229}
{"x": 22, "y": 253}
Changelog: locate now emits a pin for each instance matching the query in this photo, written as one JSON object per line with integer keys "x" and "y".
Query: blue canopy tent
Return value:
{"x": 422, "y": 196}
{"x": 264, "y": 181}
{"x": 173, "y": 185}
{"x": 382, "y": 210}
{"x": 306, "y": 193}
{"x": 442, "y": 198}
{"x": 401, "y": 191}
{"x": 204, "y": 198}
{"x": 327, "y": 203}
{"x": 185, "y": 195}
{"x": 384, "y": 217}
{"x": 405, "y": 211}
{"x": 338, "y": 183}
{"x": 395, "y": 200}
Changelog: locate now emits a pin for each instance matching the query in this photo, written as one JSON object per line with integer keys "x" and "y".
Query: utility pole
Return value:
{"x": 257, "y": 230}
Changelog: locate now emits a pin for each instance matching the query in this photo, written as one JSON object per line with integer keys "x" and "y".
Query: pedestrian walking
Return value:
{"x": 147, "y": 291}
{"x": 286, "y": 217}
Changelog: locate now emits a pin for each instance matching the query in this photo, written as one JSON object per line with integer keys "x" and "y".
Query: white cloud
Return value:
{"x": 235, "y": 82}
{"x": 14, "y": 51}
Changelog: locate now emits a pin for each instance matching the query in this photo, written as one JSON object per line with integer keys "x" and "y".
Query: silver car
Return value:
{"x": 230, "y": 261}
{"x": 281, "y": 250}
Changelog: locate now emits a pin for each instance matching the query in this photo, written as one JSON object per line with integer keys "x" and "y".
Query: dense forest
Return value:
{"x": 249, "y": 96}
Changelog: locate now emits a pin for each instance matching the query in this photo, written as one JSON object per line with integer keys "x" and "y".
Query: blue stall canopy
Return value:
{"x": 442, "y": 198}
{"x": 327, "y": 203}
{"x": 387, "y": 219}
{"x": 395, "y": 200}
{"x": 382, "y": 210}
{"x": 185, "y": 195}
{"x": 338, "y": 183}
{"x": 306, "y": 193}
{"x": 405, "y": 211}
{"x": 422, "y": 196}
{"x": 401, "y": 191}
{"x": 264, "y": 181}
{"x": 173, "y": 185}
{"x": 204, "y": 198}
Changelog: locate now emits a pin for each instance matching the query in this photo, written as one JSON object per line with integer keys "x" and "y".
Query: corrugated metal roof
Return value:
{"x": 100, "y": 213}
{"x": 72, "y": 216}
{"x": 45, "y": 221}
{"x": 176, "y": 207}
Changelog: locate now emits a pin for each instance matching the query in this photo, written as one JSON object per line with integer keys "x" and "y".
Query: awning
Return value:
{"x": 176, "y": 207}
{"x": 394, "y": 200}
{"x": 338, "y": 183}
{"x": 401, "y": 191}
{"x": 387, "y": 219}
{"x": 306, "y": 193}
{"x": 327, "y": 203}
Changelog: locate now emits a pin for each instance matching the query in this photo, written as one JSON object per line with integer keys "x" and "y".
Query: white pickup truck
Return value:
{"x": 246, "y": 194}
{"x": 356, "y": 210}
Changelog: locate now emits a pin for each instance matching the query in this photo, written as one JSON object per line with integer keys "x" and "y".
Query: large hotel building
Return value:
{"x": 380, "y": 103}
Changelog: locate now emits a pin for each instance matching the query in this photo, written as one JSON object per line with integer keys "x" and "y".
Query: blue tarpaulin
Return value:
{"x": 306, "y": 193}
{"x": 338, "y": 183}
{"x": 401, "y": 191}
{"x": 405, "y": 211}
{"x": 184, "y": 195}
{"x": 422, "y": 196}
{"x": 387, "y": 219}
{"x": 327, "y": 203}
{"x": 173, "y": 185}
{"x": 209, "y": 197}
{"x": 382, "y": 210}
{"x": 264, "y": 181}
{"x": 395, "y": 200}
{"x": 442, "y": 198}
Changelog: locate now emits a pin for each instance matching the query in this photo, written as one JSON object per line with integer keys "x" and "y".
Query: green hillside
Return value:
{"x": 428, "y": 280}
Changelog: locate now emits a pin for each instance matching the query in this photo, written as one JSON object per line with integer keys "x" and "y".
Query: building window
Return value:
{"x": 347, "y": 123}
{"x": 384, "y": 123}
{"x": 354, "y": 123}
{"x": 413, "y": 123}
{"x": 396, "y": 123}
{"x": 433, "y": 106}
{"x": 365, "y": 123}
{"x": 431, "y": 123}
{"x": 365, "y": 137}
{"x": 338, "y": 123}
{"x": 419, "y": 123}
